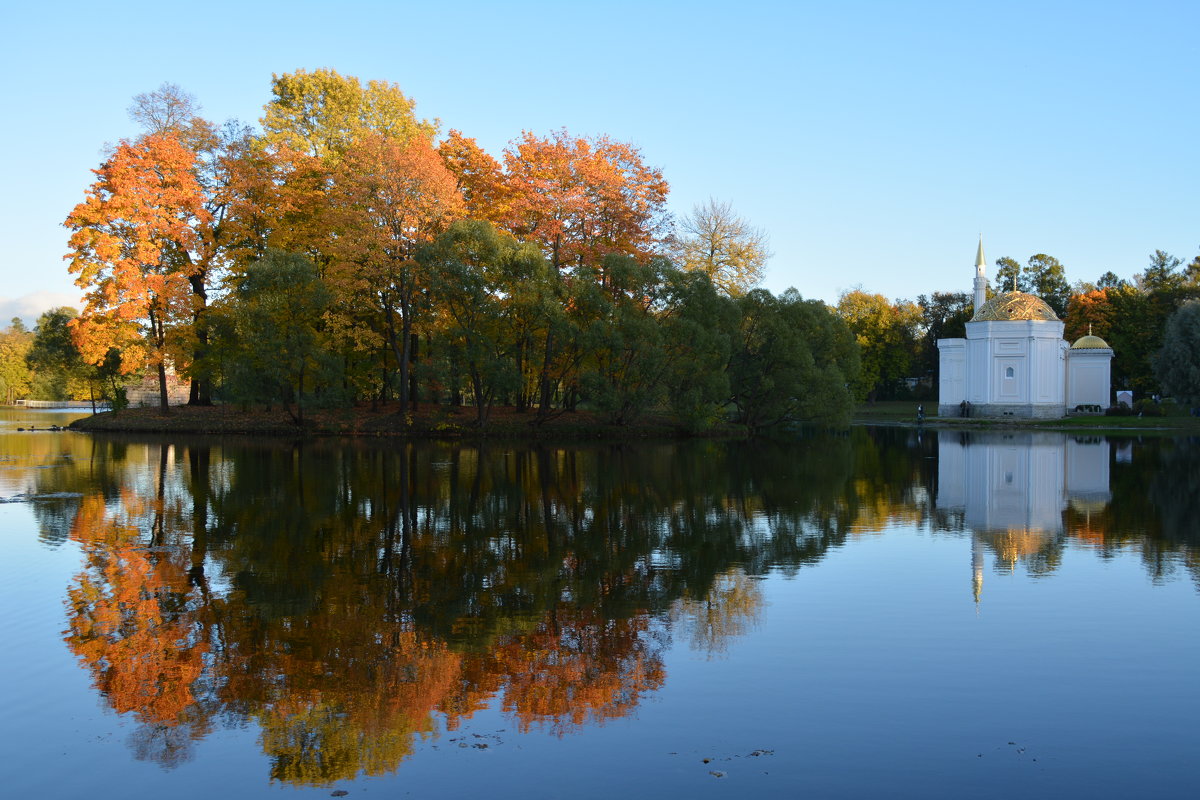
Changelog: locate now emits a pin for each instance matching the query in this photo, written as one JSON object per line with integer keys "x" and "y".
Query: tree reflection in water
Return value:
{"x": 352, "y": 599}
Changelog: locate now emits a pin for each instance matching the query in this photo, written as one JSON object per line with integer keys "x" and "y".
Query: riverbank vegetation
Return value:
{"x": 350, "y": 254}
{"x": 898, "y": 338}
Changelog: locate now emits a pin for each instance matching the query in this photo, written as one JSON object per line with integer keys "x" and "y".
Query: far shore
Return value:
{"x": 442, "y": 422}
{"x": 1174, "y": 422}
{"x": 386, "y": 420}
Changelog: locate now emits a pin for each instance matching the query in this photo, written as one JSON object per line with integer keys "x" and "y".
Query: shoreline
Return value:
{"x": 445, "y": 424}
{"x": 385, "y": 421}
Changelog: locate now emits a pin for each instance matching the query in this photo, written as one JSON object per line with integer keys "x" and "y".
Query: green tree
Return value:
{"x": 1192, "y": 273}
{"x": 14, "y": 371}
{"x": 791, "y": 361}
{"x": 1162, "y": 274}
{"x": 1048, "y": 280}
{"x": 58, "y": 370}
{"x": 1177, "y": 365}
{"x": 723, "y": 246}
{"x": 944, "y": 315}
{"x": 697, "y": 322}
{"x": 483, "y": 282}
{"x": 1009, "y": 276}
{"x": 271, "y": 329}
{"x": 1042, "y": 276}
{"x": 1110, "y": 280}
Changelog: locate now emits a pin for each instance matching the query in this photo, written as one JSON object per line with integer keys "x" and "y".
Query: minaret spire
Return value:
{"x": 980, "y": 276}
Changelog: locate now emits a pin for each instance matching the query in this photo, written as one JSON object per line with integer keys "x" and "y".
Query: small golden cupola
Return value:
{"x": 1090, "y": 342}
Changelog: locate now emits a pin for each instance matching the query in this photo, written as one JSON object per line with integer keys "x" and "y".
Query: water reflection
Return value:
{"x": 351, "y": 600}
{"x": 1024, "y": 496}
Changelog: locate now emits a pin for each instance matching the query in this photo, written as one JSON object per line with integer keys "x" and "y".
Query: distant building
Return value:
{"x": 145, "y": 391}
{"x": 1015, "y": 363}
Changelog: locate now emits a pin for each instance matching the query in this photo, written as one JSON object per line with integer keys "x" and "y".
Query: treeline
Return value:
{"x": 348, "y": 253}
{"x": 44, "y": 364}
{"x": 898, "y": 339}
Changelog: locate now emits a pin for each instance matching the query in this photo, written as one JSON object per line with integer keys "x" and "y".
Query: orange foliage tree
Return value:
{"x": 129, "y": 244}
{"x": 390, "y": 200}
{"x": 481, "y": 179}
{"x": 1090, "y": 312}
{"x": 581, "y": 199}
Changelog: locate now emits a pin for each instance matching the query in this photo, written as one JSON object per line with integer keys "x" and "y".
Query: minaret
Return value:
{"x": 980, "y": 277}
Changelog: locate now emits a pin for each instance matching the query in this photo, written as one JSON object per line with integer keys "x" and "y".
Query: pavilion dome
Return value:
{"x": 1090, "y": 342}
{"x": 1015, "y": 306}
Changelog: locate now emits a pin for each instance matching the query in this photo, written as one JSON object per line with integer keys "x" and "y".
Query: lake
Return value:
{"x": 881, "y": 612}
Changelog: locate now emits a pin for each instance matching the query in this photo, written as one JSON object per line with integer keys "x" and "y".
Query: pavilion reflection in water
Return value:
{"x": 1013, "y": 488}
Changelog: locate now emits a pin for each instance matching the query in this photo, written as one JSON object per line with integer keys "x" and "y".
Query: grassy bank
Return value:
{"x": 434, "y": 422}
{"x": 1176, "y": 420}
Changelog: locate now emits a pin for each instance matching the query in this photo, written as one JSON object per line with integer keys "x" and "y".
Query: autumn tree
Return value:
{"x": 481, "y": 179}
{"x": 1089, "y": 312}
{"x": 580, "y": 199}
{"x": 323, "y": 114}
{"x": 129, "y": 242}
{"x": 731, "y": 609}
{"x": 576, "y": 667}
{"x": 224, "y": 164}
{"x": 391, "y": 199}
{"x": 724, "y": 246}
{"x": 170, "y": 109}
{"x": 886, "y": 335}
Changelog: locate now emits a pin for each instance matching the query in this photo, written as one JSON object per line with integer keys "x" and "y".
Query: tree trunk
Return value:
{"x": 413, "y": 354}
{"x": 163, "y": 401}
{"x": 544, "y": 388}
{"x": 200, "y": 392}
{"x": 522, "y": 398}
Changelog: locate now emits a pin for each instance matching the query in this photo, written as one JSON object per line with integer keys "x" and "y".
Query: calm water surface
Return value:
{"x": 865, "y": 615}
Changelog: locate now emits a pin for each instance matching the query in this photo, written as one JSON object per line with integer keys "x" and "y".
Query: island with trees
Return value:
{"x": 349, "y": 267}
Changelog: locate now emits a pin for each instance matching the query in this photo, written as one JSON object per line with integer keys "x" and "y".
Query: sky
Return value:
{"x": 873, "y": 141}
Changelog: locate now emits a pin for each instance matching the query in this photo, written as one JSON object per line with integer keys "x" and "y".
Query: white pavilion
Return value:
{"x": 1015, "y": 363}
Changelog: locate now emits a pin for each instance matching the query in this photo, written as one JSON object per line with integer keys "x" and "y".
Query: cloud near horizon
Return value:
{"x": 31, "y": 306}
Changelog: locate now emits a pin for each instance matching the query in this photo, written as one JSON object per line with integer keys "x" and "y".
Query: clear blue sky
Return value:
{"x": 874, "y": 141}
